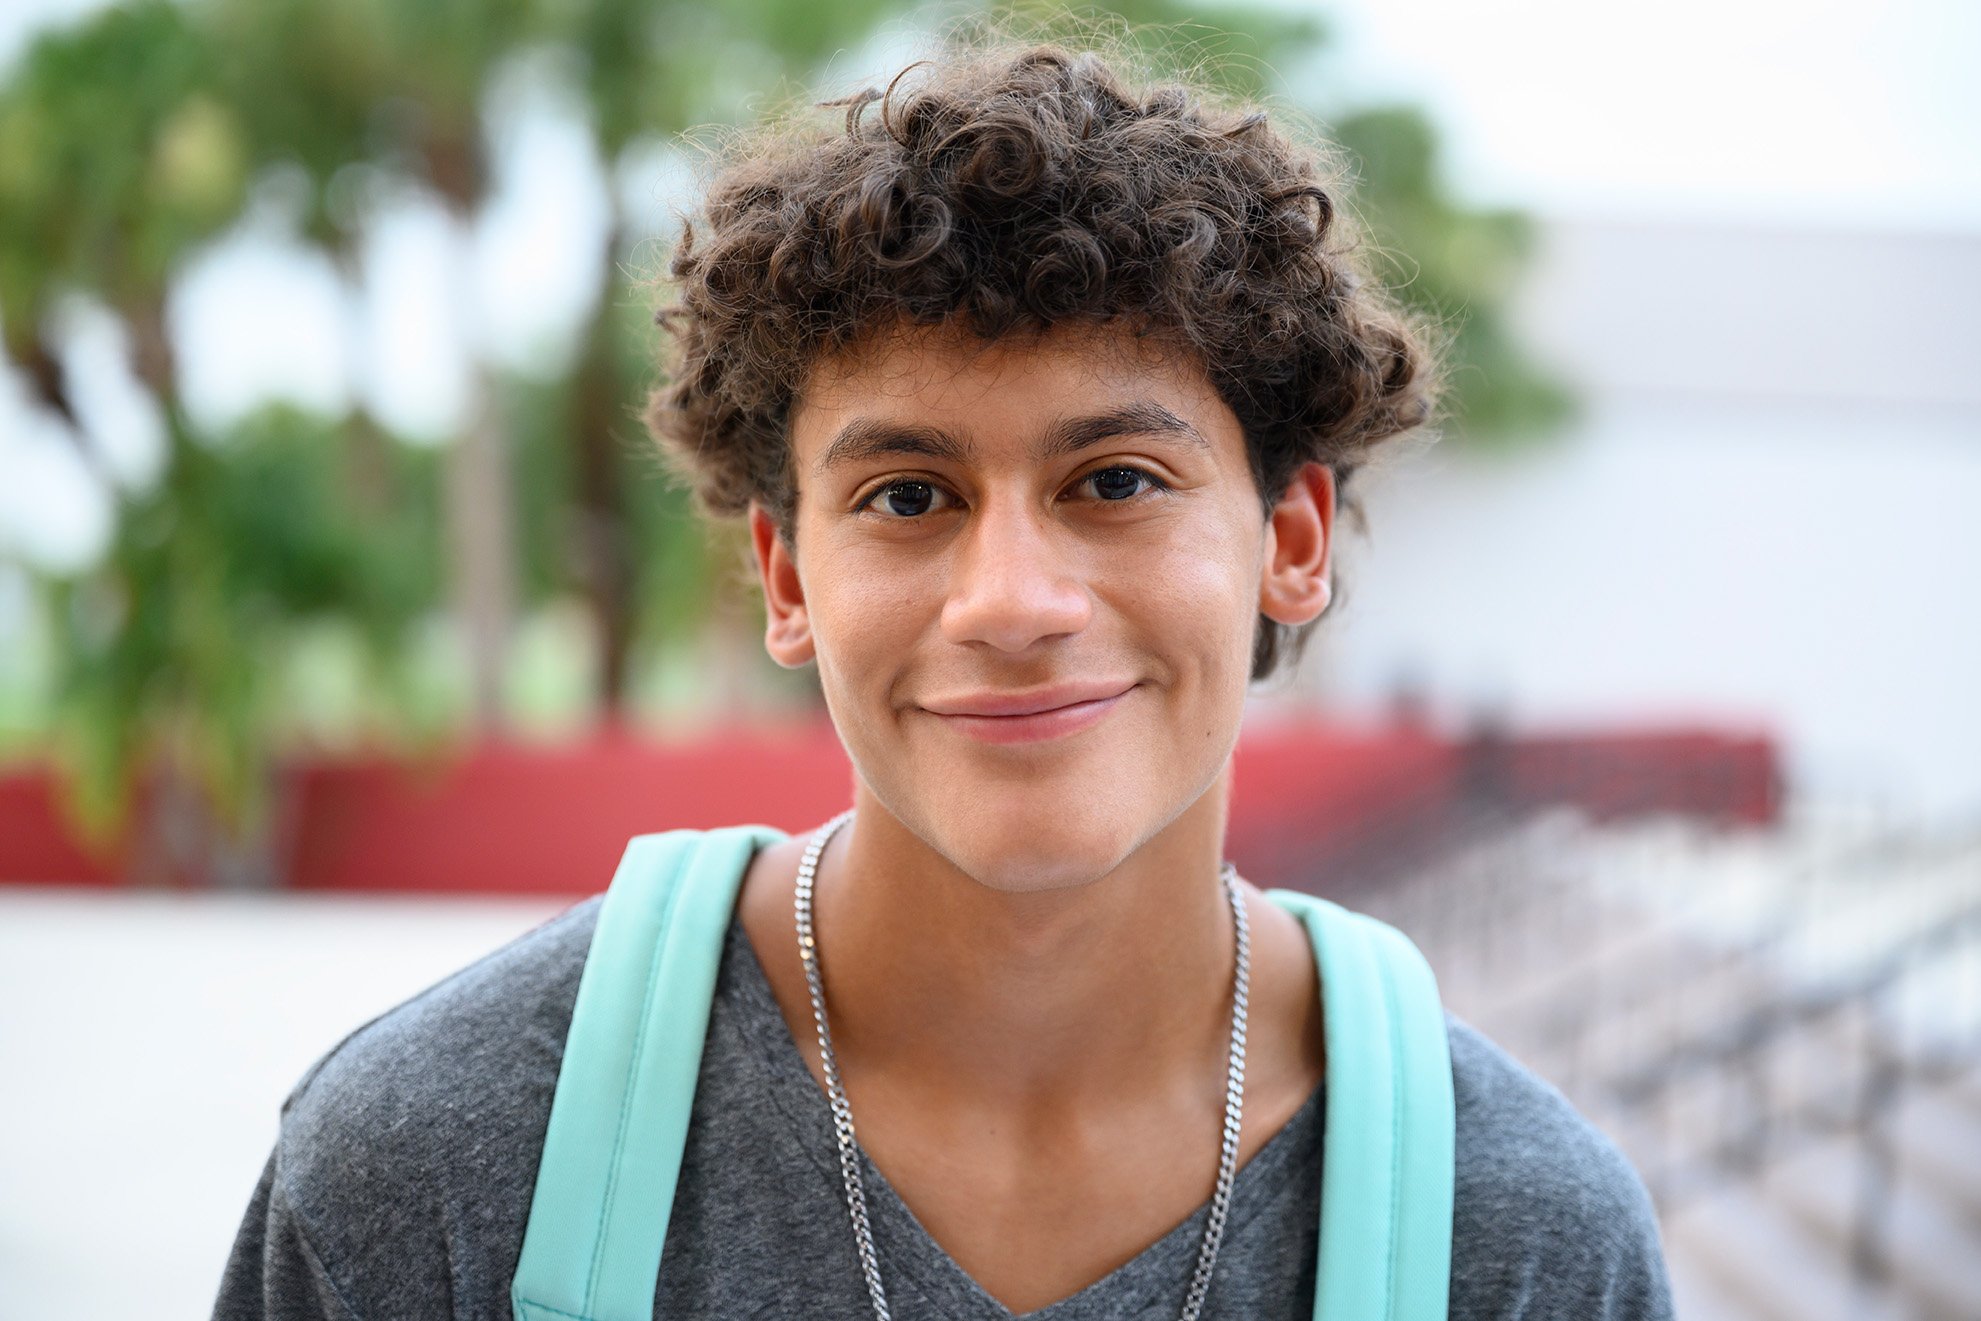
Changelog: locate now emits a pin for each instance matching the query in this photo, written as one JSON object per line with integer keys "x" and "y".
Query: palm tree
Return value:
{"x": 122, "y": 152}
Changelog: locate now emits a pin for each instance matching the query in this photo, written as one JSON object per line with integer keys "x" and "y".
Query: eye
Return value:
{"x": 1117, "y": 484}
{"x": 905, "y": 499}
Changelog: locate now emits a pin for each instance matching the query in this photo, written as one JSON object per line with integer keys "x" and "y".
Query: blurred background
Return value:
{"x": 347, "y": 628}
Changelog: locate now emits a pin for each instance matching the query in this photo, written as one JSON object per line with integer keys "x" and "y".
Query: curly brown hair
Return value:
{"x": 1012, "y": 186}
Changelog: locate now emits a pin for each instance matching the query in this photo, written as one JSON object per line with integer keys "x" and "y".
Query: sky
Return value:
{"x": 1802, "y": 112}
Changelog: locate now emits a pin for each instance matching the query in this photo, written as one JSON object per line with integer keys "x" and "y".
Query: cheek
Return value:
{"x": 1193, "y": 596}
{"x": 864, "y": 620}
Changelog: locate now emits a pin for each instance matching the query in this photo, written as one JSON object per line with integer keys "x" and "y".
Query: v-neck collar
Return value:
{"x": 910, "y": 1258}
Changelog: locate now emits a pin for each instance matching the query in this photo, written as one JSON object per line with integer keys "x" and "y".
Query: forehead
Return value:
{"x": 944, "y": 374}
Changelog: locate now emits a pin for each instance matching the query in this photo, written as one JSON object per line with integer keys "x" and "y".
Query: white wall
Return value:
{"x": 1767, "y": 517}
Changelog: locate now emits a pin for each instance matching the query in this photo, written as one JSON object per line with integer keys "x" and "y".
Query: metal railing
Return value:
{"x": 1728, "y": 999}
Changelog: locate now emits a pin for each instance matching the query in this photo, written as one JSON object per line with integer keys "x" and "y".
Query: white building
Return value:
{"x": 1768, "y": 517}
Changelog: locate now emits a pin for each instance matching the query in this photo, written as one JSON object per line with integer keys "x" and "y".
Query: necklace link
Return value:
{"x": 842, "y": 1112}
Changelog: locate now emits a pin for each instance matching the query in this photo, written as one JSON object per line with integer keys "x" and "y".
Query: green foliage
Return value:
{"x": 551, "y": 528}
{"x": 175, "y": 645}
{"x": 380, "y": 81}
{"x": 117, "y": 154}
{"x": 1237, "y": 53}
{"x": 650, "y": 70}
{"x": 1458, "y": 266}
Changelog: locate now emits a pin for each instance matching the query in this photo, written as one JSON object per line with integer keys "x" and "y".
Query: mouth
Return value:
{"x": 1029, "y": 717}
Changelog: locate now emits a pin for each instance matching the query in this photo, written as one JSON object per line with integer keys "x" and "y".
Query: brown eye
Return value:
{"x": 1116, "y": 484}
{"x": 908, "y": 498}
{"x": 905, "y": 499}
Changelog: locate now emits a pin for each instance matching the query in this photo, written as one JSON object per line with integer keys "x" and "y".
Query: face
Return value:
{"x": 1030, "y": 573}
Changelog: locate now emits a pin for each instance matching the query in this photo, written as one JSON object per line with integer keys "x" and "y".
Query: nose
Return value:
{"x": 1013, "y": 582}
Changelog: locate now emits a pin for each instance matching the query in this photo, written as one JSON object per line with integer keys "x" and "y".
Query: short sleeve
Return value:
{"x": 273, "y": 1272}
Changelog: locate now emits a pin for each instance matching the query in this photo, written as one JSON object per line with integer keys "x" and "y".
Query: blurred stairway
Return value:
{"x": 1781, "y": 1029}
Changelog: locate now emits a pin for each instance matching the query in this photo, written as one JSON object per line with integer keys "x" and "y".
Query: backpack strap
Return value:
{"x": 619, "y": 1117}
{"x": 1390, "y": 1124}
{"x": 625, "y": 1091}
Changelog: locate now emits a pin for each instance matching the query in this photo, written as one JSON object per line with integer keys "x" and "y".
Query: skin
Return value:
{"x": 1027, "y": 955}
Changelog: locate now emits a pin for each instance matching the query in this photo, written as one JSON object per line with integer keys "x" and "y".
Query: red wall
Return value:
{"x": 505, "y": 819}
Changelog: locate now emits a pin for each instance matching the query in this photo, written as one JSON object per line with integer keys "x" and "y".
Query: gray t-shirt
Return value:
{"x": 401, "y": 1180}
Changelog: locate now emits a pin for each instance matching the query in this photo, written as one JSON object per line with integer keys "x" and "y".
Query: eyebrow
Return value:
{"x": 866, "y": 438}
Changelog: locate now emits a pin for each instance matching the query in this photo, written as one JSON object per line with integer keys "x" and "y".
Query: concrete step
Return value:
{"x": 1614, "y": 953}
{"x": 1695, "y": 1294}
{"x": 1964, "y": 1090}
{"x": 1779, "y": 1245}
{"x": 1938, "y": 1142}
{"x": 1582, "y": 1031}
{"x": 1590, "y": 967}
{"x": 1732, "y": 1254}
{"x": 1934, "y": 1253}
{"x": 1758, "y": 1258}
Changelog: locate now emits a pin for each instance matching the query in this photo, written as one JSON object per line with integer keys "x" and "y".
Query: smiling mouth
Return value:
{"x": 1018, "y": 718}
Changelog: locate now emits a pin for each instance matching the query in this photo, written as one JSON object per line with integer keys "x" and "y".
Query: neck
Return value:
{"x": 1040, "y": 1002}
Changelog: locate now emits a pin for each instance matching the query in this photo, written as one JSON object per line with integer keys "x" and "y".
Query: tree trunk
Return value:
{"x": 479, "y": 491}
{"x": 481, "y": 551}
{"x": 181, "y": 841}
{"x": 598, "y": 414}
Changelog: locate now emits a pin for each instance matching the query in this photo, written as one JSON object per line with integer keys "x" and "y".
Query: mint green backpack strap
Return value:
{"x": 619, "y": 1117}
{"x": 1390, "y": 1124}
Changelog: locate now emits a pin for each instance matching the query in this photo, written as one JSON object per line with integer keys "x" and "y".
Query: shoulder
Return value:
{"x": 1550, "y": 1219}
{"x": 435, "y": 1109}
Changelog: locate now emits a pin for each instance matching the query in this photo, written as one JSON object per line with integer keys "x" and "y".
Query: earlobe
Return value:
{"x": 787, "y": 624}
{"x": 1294, "y": 587}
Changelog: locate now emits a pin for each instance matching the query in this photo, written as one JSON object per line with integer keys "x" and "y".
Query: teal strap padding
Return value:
{"x": 626, "y": 1088}
{"x": 1391, "y": 1121}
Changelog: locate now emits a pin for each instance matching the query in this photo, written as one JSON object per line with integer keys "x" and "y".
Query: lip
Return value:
{"x": 1045, "y": 713}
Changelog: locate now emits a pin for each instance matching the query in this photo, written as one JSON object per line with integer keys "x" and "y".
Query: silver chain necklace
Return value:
{"x": 842, "y": 1113}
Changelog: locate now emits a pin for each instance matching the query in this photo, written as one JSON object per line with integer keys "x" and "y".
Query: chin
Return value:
{"x": 1019, "y": 867}
{"x": 1033, "y": 818}
{"x": 1027, "y": 842}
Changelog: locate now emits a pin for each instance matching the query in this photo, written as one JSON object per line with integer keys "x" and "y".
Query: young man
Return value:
{"x": 1039, "y": 394}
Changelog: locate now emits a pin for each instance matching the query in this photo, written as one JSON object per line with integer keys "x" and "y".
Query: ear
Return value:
{"x": 1293, "y": 580}
{"x": 787, "y": 626}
